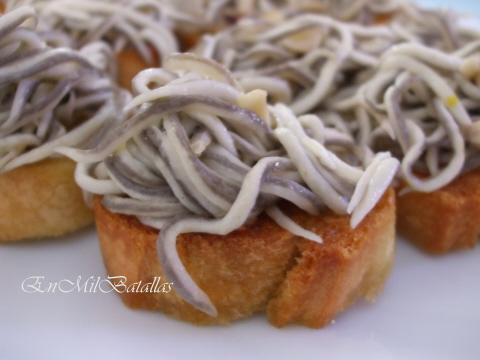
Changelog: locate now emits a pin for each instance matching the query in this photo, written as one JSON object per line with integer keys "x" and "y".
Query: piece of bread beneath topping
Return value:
{"x": 129, "y": 63}
{"x": 41, "y": 200}
{"x": 260, "y": 267}
{"x": 188, "y": 40}
{"x": 444, "y": 220}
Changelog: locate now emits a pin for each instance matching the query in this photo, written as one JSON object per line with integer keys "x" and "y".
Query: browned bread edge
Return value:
{"x": 260, "y": 267}
{"x": 41, "y": 200}
{"x": 444, "y": 220}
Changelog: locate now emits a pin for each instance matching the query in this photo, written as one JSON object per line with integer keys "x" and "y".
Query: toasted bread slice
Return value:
{"x": 260, "y": 267}
{"x": 444, "y": 220}
{"x": 129, "y": 63}
{"x": 41, "y": 200}
{"x": 188, "y": 39}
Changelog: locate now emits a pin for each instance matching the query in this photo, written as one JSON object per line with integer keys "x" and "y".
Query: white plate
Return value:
{"x": 430, "y": 309}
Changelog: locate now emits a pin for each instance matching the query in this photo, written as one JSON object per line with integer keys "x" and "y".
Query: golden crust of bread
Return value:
{"x": 188, "y": 40}
{"x": 444, "y": 220}
{"x": 129, "y": 63}
{"x": 260, "y": 267}
{"x": 41, "y": 200}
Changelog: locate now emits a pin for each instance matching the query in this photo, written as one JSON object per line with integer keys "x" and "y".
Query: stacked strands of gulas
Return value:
{"x": 49, "y": 97}
{"x": 196, "y": 155}
{"x": 139, "y": 33}
{"x": 408, "y": 85}
{"x": 254, "y": 172}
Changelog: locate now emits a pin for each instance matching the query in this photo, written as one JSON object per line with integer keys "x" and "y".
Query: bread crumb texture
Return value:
{"x": 444, "y": 220}
{"x": 41, "y": 200}
{"x": 260, "y": 267}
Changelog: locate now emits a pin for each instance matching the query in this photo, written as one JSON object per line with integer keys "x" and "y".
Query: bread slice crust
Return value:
{"x": 129, "y": 63}
{"x": 41, "y": 200}
{"x": 259, "y": 267}
{"x": 444, "y": 220}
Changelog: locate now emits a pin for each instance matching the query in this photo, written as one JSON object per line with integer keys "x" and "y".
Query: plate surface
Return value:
{"x": 429, "y": 310}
